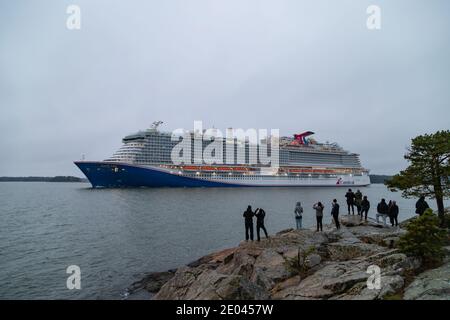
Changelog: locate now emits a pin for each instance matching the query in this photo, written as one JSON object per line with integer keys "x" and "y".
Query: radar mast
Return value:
{"x": 155, "y": 125}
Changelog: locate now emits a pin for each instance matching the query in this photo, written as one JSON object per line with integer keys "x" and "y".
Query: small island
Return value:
{"x": 379, "y": 178}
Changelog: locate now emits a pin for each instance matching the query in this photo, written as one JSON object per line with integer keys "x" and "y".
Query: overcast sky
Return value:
{"x": 293, "y": 65}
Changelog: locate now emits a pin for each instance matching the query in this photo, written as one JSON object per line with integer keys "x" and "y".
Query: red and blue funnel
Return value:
{"x": 301, "y": 137}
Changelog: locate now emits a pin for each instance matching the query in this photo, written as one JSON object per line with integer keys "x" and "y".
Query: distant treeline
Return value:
{"x": 43, "y": 179}
{"x": 377, "y": 178}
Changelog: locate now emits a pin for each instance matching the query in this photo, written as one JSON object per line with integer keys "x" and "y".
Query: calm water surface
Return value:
{"x": 117, "y": 235}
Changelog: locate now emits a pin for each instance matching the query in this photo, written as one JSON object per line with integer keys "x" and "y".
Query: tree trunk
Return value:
{"x": 438, "y": 192}
{"x": 440, "y": 205}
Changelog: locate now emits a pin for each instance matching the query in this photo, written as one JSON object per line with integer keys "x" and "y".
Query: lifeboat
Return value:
{"x": 224, "y": 169}
{"x": 206, "y": 168}
{"x": 190, "y": 168}
{"x": 299, "y": 170}
{"x": 240, "y": 169}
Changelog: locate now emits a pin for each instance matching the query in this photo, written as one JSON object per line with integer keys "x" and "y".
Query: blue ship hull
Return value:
{"x": 119, "y": 175}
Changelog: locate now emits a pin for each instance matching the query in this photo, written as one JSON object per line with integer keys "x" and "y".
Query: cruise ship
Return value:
{"x": 146, "y": 160}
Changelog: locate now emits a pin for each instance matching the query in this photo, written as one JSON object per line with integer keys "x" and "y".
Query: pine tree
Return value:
{"x": 424, "y": 238}
{"x": 429, "y": 169}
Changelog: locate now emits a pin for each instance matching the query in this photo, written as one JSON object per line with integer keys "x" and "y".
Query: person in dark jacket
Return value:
{"x": 358, "y": 200}
{"x": 365, "y": 206}
{"x": 260, "y": 215}
{"x": 248, "y": 215}
{"x": 335, "y": 213}
{"x": 389, "y": 212}
{"x": 421, "y": 206}
{"x": 350, "y": 200}
{"x": 319, "y": 215}
{"x": 383, "y": 210}
{"x": 393, "y": 213}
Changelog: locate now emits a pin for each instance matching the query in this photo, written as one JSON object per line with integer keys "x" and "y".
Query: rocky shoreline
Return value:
{"x": 306, "y": 265}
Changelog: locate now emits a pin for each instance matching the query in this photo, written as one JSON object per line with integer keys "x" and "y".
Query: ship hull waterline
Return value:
{"x": 123, "y": 175}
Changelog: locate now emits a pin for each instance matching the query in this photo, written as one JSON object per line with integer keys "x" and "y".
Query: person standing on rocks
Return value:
{"x": 421, "y": 206}
{"x": 365, "y": 206}
{"x": 319, "y": 215}
{"x": 393, "y": 213}
{"x": 248, "y": 216}
{"x": 358, "y": 200}
{"x": 350, "y": 200}
{"x": 389, "y": 212}
{"x": 298, "y": 211}
{"x": 260, "y": 215}
{"x": 335, "y": 213}
{"x": 382, "y": 211}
